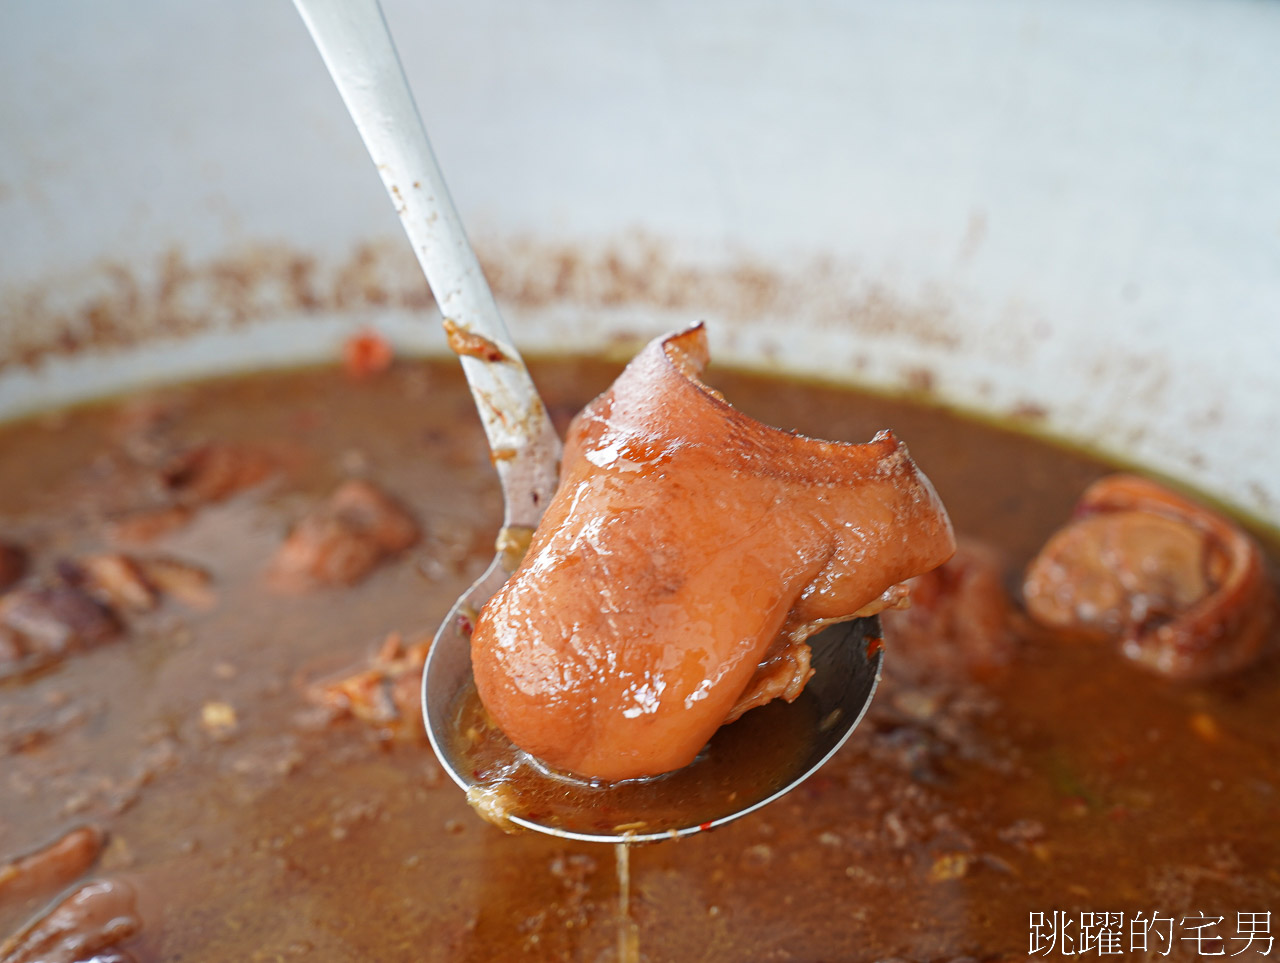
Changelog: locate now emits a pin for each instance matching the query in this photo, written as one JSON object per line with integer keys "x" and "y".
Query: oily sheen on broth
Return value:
{"x": 234, "y": 765}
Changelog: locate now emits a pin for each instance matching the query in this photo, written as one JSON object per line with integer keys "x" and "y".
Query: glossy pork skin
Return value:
{"x": 687, "y": 548}
{"x": 1183, "y": 589}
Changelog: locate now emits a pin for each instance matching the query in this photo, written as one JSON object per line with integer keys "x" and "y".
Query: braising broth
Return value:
{"x": 239, "y": 733}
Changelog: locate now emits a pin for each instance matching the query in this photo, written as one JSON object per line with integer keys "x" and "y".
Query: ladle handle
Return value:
{"x": 356, "y": 45}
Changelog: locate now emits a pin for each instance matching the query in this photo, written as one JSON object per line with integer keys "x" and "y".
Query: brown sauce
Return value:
{"x": 751, "y": 759}
{"x": 252, "y": 826}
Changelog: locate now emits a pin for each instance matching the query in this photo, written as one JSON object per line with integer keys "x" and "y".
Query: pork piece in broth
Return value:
{"x": 1180, "y": 587}
{"x": 686, "y": 557}
{"x": 959, "y": 622}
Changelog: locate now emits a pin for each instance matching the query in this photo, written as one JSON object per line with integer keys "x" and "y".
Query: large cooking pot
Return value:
{"x": 1062, "y": 215}
{"x": 1066, "y": 213}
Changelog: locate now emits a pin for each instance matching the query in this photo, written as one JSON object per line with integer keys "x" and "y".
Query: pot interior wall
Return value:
{"x": 1062, "y": 211}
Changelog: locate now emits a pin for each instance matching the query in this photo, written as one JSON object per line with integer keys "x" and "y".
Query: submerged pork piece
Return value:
{"x": 385, "y": 693}
{"x": 1182, "y": 588}
{"x": 344, "y": 539}
{"x": 686, "y": 556}
{"x": 13, "y": 564}
{"x": 959, "y": 622}
{"x": 54, "y": 864}
{"x": 84, "y": 927}
{"x": 42, "y": 623}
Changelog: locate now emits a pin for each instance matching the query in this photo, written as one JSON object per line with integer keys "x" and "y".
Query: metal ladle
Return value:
{"x": 356, "y": 45}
